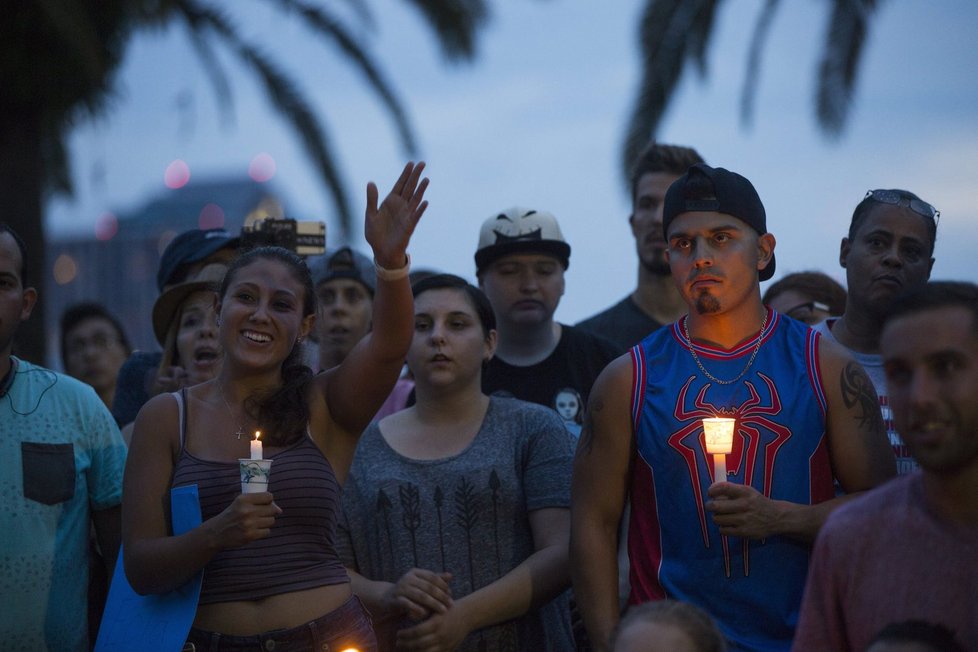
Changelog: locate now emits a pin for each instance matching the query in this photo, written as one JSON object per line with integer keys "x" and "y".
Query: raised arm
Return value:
{"x": 354, "y": 390}
{"x": 155, "y": 561}
{"x": 859, "y": 452}
{"x": 598, "y": 492}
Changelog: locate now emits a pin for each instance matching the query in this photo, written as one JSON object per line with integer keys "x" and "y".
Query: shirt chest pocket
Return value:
{"x": 49, "y": 472}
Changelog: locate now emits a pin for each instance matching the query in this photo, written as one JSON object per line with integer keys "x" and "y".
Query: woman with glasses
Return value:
{"x": 889, "y": 250}
{"x": 810, "y": 297}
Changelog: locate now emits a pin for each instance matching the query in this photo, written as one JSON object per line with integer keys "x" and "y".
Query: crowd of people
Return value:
{"x": 455, "y": 469}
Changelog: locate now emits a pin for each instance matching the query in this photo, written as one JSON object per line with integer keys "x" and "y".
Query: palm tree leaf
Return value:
{"x": 699, "y": 37}
{"x": 841, "y": 55}
{"x": 219, "y": 80}
{"x": 54, "y": 157}
{"x": 331, "y": 28}
{"x": 76, "y": 32}
{"x": 362, "y": 11}
{"x": 671, "y": 32}
{"x": 285, "y": 96}
{"x": 765, "y": 18}
{"x": 456, "y": 23}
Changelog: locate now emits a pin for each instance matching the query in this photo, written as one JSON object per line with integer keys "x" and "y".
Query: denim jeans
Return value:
{"x": 347, "y": 626}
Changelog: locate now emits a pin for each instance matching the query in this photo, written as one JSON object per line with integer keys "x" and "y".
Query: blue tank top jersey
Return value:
{"x": 753, "y": 588}
{"x": 299, "y": 553}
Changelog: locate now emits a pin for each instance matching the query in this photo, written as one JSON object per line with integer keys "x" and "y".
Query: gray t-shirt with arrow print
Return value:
{"x": 467, "y": 514}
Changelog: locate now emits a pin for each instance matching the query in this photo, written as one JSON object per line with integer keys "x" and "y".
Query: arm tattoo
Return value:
{"x": 586, "y": 443}
{"x": 858, "y": 392}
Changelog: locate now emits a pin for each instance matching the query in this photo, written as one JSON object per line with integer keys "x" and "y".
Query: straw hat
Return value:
{"x": 168, "y": 304}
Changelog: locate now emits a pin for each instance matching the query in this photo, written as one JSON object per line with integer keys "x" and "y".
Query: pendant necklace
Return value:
{"x": 240, "y": 430}
{"x": 696, "y": 359}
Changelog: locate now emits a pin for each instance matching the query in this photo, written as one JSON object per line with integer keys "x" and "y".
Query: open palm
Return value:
{"x": 388, "y": 227}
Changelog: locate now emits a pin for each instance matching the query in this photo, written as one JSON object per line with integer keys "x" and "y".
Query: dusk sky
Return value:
{"x": 537, "y": 120}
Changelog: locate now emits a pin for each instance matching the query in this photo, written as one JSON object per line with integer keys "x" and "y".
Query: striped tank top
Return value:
{"x": 300, "y": 551}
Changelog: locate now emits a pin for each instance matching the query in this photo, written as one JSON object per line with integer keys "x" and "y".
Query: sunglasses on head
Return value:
{"x": 918, "y": 206}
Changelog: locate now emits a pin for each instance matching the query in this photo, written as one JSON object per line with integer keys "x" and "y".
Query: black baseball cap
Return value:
{"x": 189, "y": 247}
{"x": 732, "y": 195}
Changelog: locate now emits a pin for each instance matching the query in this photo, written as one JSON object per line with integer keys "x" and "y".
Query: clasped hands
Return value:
{"x": 426, "y": 598}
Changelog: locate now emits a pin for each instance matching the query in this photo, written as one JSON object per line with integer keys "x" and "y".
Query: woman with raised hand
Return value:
{"x": 456, "y": 514}
{"x": 271, "y": 571}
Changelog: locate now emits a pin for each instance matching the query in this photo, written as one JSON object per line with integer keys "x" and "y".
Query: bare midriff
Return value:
{"x": 250, "y": 617}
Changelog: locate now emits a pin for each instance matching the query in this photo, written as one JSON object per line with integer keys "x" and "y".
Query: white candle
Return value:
{"x": 256, "y": 446}
{"x": 718, "y": 433}
{"x": 719, "y": 467}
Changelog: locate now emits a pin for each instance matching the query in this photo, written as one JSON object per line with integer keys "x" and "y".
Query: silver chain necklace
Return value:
{"x": 696, "y": 358}
{"x": 240, "y": 430}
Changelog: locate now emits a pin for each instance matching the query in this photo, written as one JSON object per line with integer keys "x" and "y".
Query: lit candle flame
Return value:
{"x": 256, "y": 448}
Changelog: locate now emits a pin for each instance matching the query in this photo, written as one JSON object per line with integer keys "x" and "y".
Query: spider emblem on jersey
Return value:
{"x": 756, "y": 435}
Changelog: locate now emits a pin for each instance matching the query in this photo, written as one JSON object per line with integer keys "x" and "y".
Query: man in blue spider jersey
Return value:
{"x": 738, "y": 548}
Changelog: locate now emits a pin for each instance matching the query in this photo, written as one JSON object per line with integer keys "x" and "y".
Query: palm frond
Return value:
{"x": 285, "y": 96}
{"x": 54, "y": 157}
{"x": 213, "y": 70}
{"x": 671, "y": 31}
{"x": 362, "y": 12}
{"x": 76, "y": 32}
{"x": 699, "y": 36}
{"x": 456, "y": 23}
{"x": 765, "y": 18}
{"x": 846, "y": 35}
{"x": 332, "y": 29}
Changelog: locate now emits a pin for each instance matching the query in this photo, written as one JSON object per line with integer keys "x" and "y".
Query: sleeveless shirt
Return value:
{"x": 299, "y": 553}
{"x": 752, "y": 587}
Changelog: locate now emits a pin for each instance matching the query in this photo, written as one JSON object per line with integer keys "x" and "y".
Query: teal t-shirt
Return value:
{"x": 64, "y": 458}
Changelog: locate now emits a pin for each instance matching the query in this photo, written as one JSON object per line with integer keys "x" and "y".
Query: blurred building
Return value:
{"x": 117, "y": 264}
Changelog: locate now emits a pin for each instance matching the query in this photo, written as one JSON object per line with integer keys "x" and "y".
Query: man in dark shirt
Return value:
{"x": 520, "y": 264}
{"x": 655, "y": 301}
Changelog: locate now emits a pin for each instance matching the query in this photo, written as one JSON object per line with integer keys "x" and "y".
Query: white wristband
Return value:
{"x": 385, "y": 274}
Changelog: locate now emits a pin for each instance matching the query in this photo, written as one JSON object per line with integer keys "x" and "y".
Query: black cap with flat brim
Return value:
{"x": 732, "y": 194}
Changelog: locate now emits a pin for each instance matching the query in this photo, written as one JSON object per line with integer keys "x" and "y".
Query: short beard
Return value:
{"x": 707, "y": 304}
{"x": 657, "y": 267}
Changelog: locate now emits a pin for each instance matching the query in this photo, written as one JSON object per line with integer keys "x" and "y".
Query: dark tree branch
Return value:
{"x": 841, "y": 56}
{"x": 672, "y": 31}
{"x": 761, "y": 30}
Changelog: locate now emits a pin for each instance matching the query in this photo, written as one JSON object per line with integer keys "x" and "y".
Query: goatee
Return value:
{"x": 707, "y": 304}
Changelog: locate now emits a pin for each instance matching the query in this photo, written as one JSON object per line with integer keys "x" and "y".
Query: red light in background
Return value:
{"x": 106, "y": 226}
{"x": 177, "y": 174}
{"x": 262, "y": 167}
{"x": 211, "y": 217}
